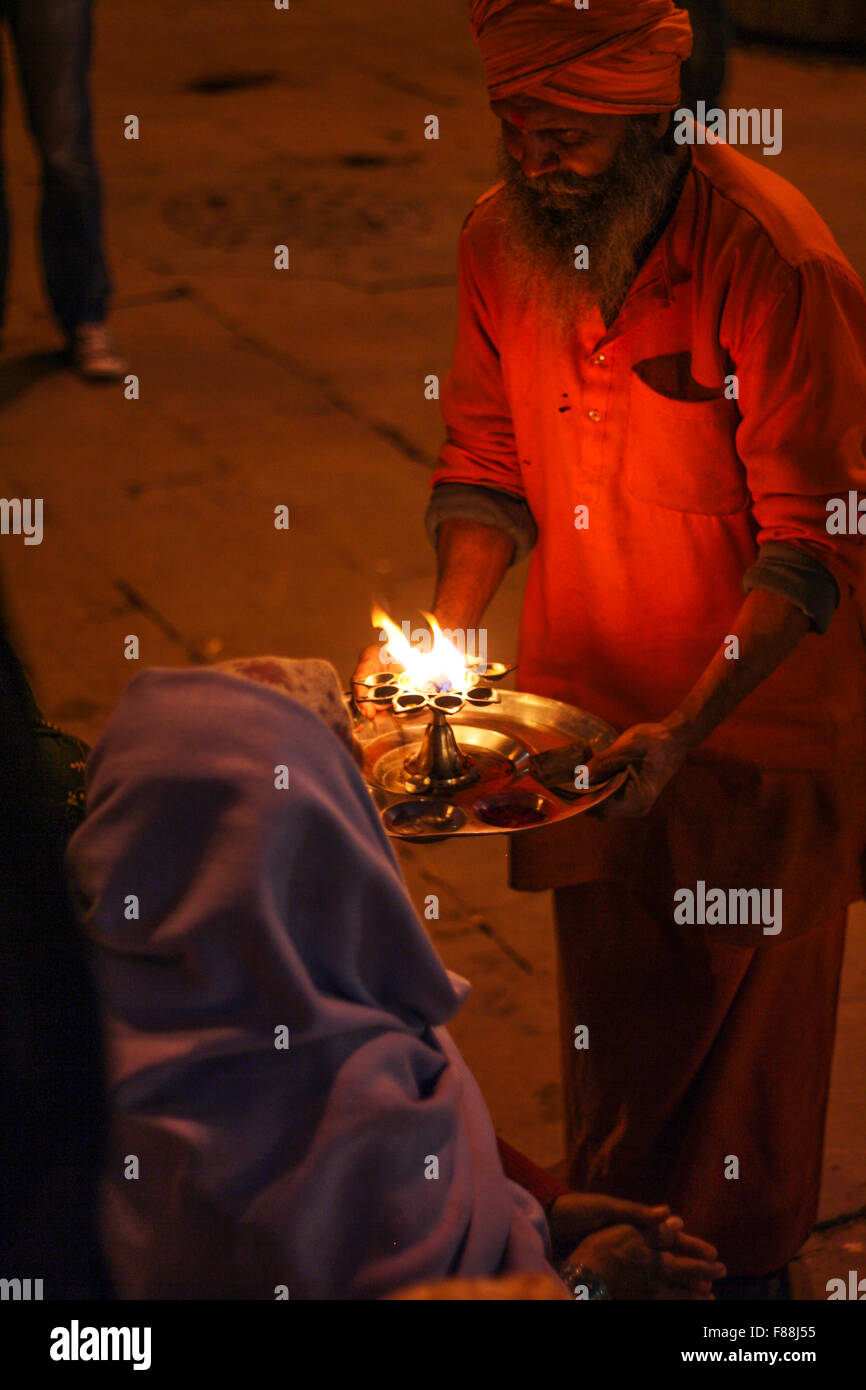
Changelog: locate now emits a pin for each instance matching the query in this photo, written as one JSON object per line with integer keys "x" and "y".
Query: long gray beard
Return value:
{"x": 616, "y": 215}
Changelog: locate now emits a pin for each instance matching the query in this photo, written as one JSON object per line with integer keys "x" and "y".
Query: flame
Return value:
{"x": 443, "y": 667}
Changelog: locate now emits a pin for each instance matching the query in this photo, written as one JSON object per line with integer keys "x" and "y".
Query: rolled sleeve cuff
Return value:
{"x": 800, "y": 578}
{"x": 487, "y": 506}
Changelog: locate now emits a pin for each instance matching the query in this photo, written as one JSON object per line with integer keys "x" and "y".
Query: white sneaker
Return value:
{"x": 95, "y": 355}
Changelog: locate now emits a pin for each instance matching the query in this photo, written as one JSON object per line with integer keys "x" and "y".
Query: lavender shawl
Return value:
{"x": 266, "y": 1171}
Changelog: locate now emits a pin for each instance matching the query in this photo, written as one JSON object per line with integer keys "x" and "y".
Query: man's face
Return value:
{"x": 547, "y": 140}
{"x": 578, "y": 180}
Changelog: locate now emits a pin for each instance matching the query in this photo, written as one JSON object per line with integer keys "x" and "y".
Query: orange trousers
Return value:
{"x": 705, "y": 1077}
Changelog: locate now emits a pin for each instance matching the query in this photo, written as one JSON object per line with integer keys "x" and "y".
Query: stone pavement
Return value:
{"x": 306, "y": 387}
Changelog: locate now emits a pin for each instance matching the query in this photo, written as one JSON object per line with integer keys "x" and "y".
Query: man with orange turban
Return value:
{"x": 659, "y": 386}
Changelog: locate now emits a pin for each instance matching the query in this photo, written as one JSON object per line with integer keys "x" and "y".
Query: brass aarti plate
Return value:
{"x": 494, "y": 790}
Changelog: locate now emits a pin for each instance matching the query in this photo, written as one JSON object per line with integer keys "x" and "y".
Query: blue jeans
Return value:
{"x": 52, "y": 47}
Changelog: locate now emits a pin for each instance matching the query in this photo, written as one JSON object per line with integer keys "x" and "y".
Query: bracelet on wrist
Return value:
{"x": 582, "y": 1282}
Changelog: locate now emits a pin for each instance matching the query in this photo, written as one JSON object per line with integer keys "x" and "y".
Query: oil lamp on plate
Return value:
{"x": 449, "y": 753}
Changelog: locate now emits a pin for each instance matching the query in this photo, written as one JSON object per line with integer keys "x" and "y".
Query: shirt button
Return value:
{"x": 594, "y": 415}
{"x": 599, "y": 359}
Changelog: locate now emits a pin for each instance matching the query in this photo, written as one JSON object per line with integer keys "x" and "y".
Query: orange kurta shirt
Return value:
{"x": 622, "y": 617}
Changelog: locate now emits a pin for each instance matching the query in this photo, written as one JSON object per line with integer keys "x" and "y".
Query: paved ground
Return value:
{"x": 305, "y": 387}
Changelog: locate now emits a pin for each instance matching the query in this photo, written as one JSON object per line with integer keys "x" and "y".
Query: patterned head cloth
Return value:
{"x": 310, "y": 681}
{"x": 618, "y": 57}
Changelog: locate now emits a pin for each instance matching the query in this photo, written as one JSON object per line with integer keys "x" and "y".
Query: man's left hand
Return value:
{"x": 652, "y": 753}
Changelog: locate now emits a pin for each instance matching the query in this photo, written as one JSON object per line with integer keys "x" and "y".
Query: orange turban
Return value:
{"x": 616, "y": 56}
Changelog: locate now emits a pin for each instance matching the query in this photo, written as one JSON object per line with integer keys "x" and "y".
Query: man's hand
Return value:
{"x": 768, "y": 628}
{"x": 669, "y": 1235}
{"x": 369, "y": 662}
{"x": 652, "y": 753}
{"x": 633, "y": 1269}
{"x": 576, "y": 1215}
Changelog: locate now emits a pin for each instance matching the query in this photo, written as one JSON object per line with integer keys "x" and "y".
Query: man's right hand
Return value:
{"x": 632, "y": 1269}
{"x": 369, "y": 662}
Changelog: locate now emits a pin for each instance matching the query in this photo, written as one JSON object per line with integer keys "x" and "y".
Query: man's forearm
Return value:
{"x": 472, "y": 560}
{"x": 767, "y": 628}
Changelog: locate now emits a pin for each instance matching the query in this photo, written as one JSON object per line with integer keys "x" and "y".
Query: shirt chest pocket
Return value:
{"x": 680, "y": 454}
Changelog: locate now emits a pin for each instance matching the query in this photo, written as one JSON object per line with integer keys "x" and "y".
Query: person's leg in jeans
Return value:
{"x": 52, "y": 41}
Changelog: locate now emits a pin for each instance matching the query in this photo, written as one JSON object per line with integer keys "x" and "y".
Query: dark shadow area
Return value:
{"x": 19, "y": 375}
{"x": 53, "y": 1112}
{"x": 217, "y": 83}
{"x": 800, "y": 50}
